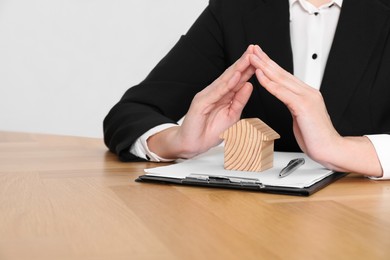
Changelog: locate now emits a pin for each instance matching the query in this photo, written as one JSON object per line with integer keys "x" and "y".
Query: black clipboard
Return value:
{"x": 242, "y": 183}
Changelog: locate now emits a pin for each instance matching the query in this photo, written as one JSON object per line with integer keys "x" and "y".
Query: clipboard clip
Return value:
{"x": 224, "y": 180}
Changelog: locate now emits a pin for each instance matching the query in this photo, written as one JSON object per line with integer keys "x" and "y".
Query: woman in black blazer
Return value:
{"x": 214, "y": 78}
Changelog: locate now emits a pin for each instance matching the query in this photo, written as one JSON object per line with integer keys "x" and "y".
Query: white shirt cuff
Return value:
{"x": 382, "y": 146}
{"x": 140, "y": 147}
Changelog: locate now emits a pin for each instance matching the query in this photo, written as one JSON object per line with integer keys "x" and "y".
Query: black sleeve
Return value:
{"x": 165, "y": 95}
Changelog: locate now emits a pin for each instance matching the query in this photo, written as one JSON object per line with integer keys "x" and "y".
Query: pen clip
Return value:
{"x": 218, "y": 179}
{"x": 291, "y": 166}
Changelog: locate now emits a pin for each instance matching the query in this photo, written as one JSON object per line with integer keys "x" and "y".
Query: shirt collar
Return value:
{"x": 337, "y": 2}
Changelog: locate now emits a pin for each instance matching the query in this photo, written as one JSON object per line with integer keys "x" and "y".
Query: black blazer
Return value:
{"x": 355, "y": 87}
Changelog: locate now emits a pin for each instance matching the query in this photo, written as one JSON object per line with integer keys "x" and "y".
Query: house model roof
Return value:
{"x": 267, "y": 132}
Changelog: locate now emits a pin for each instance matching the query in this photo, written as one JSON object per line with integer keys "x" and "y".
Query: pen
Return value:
{"x": 291, "y": 166}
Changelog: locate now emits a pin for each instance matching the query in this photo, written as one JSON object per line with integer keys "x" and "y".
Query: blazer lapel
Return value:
{"x": 360, "y": 25}
{"x": 268, "y": 26}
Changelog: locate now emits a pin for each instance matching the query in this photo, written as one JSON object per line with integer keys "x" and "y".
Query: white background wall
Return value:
{"x": 65, "y": 63}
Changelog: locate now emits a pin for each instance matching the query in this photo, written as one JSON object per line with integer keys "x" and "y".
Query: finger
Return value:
{"x": 243, "y": 62}
{"x": 270, "y": 69}
{"x": 236, "y": 103}
{"x": 229, "y": 81}
{"x": 275, "y": 78}
{"x": 222, "y": 90}
{"x": 267, "y": 61}
{"x": 245, "y": 77}
{"x": 249, "y": 70}
{"x": 275, "y": 72}
{"x": 240, "y": 65}
{"x": 234, "y": 76}
{"x": 268, "y": 84}
{"x": 240, "y": 99}
{"x": 280, "y": 92}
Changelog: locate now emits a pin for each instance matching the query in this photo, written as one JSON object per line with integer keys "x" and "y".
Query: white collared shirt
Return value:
{"x": 312, "y": 31}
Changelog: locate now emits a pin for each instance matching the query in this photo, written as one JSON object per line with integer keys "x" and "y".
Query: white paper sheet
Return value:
{"x": 211, "y": 163}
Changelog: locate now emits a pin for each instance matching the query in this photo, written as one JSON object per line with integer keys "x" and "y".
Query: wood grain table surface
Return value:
{"x": 64, "y": 197}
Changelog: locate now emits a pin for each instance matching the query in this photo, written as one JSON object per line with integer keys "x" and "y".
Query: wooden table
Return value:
{"x": 68, "y": 198}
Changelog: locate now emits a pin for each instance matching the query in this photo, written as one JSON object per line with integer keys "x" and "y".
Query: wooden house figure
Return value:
{"x": 249, "y": 146}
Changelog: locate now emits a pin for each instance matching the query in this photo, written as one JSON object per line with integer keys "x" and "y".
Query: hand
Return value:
{"x": 310, "y": 117}
{"x": 312, "y": 126}
{"x": 213, "y": 110}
